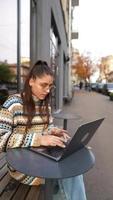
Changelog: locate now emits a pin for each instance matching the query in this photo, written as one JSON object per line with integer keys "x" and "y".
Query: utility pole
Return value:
{"x": 18, "y": 45}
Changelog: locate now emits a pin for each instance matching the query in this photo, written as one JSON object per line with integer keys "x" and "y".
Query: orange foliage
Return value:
{"x": 83, "y": 67}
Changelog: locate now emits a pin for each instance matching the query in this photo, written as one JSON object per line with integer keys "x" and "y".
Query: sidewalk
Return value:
{"x": 81, "y": 105}
{"x": 91, "y": 106}
{"x": 76, "y": 106}
{"x": 86, "y": 106}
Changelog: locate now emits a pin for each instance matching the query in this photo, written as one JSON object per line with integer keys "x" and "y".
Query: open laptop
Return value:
{"x": 82, "y": 136}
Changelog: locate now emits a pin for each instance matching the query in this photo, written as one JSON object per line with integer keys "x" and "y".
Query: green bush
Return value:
{"x": 111, "y": 96}
{"x": 5, "y": 73}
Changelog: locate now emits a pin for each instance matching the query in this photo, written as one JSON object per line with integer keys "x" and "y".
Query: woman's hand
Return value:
{"x": 51, "y": 140}
{"x": 60, "y": 133}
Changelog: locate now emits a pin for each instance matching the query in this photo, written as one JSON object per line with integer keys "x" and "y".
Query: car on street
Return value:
{"x": 99, "y": 87}
{"x": 107, "y": 88}
{"x": 93, "y": 86}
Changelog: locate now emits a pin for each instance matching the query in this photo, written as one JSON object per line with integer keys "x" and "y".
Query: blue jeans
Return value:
{"x": 72, "y": 188}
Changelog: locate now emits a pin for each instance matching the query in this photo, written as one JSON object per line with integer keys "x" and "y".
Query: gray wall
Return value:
{"x": 40, "y": 37}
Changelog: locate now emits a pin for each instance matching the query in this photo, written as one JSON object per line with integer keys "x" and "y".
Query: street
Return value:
{"x": 91, "y": 106}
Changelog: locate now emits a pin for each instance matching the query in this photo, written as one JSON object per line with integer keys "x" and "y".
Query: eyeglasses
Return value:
{"x": 47, "y": 87}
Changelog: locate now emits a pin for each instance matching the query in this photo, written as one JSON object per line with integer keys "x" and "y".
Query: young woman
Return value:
{"x": 26, "y": 121}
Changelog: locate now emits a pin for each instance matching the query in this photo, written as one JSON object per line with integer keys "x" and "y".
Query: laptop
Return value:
{"x": 82, "y": 136}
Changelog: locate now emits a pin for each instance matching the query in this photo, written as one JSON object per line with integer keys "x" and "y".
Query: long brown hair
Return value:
{"x": 39, "y": 69}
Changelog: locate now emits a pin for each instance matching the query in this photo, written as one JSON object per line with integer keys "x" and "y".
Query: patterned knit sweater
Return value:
{"x": 12, "y": 132}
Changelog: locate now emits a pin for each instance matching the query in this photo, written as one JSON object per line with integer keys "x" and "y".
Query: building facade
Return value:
{"x": 106, "y": 69}
{"x": 49, "y": 42}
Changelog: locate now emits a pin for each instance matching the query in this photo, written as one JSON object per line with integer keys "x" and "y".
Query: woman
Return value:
{"x": 26, "y": 121}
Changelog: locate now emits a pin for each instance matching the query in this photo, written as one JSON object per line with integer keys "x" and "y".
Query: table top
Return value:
{"x": 66, "y": 116}
{"x": 33, "y": 164}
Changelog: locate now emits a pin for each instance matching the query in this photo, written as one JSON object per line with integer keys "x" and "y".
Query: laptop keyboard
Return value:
{"x": 55, "y": 151}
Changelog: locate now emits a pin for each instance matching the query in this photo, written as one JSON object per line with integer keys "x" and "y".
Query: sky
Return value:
{"x": 8, "y": 30}
{"x": 93, "y": 21}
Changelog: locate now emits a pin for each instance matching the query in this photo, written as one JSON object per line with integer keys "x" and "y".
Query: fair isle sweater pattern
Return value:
{"x": 12, "y": 132}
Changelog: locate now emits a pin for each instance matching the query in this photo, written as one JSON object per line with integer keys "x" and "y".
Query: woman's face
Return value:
{"x": 40, "y": 87}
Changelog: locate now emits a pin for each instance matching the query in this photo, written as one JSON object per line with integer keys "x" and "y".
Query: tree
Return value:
{"x": 5, "y": 73}
{"x": 83, "y": 67}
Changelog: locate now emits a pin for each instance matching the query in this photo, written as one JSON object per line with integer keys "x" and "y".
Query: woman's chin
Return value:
{"x": 42, "y": 97}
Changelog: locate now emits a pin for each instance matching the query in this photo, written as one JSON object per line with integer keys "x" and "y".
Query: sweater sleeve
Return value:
{"x": 8, "y": 137}
{"x": 6, "y": 122}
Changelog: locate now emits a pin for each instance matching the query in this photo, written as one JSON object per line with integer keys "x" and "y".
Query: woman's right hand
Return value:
{"x": 51, "y": 140}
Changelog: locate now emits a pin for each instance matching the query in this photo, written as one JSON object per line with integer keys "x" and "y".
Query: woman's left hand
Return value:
{"x": 60, "y": 133}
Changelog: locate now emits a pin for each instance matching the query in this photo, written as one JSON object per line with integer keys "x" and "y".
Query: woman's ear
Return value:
{"x": 31, "y": 81}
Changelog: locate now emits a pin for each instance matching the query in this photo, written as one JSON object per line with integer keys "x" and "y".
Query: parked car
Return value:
{"x": 107, "y": 88}
{"x": 93, "y": 86}
{"x": 99, "y": 87}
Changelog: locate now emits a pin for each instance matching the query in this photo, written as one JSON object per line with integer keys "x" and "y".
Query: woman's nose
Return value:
{"x": 48, "y": 90}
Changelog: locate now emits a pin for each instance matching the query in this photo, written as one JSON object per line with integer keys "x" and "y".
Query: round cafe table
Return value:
{"x": 28, "y": 162}
{"x": 66, "y": 117}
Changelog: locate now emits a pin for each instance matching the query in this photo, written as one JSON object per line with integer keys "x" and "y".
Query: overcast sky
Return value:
{"x": 8, "y": 28}
{"x": 93, "y": 19}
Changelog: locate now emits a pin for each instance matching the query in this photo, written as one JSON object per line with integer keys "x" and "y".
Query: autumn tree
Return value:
{"x": 83, "y": 67}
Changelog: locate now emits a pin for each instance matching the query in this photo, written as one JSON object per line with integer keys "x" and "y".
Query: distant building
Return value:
{"x": 24, "y": 68}
{"x": 110, "y": 76}
{"x": 106, "y": 69}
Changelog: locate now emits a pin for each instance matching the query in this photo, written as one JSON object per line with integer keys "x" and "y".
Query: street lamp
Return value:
{"x": 18, "y": 46}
